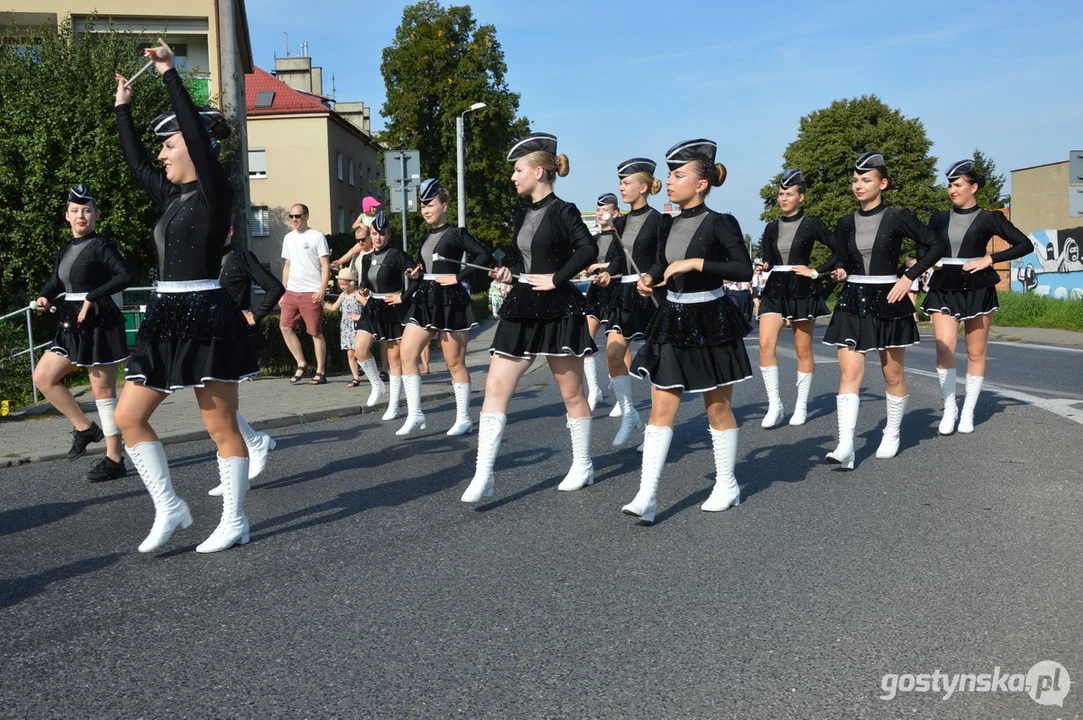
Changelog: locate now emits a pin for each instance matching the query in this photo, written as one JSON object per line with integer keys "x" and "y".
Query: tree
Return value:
{"x": 830, "y": 140}
{"x": 991, "y": 195}
{"x": 441, "y": 62}
{"x": 56, "y": 98}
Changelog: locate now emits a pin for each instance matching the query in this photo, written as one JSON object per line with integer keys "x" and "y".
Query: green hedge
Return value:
{"x": 1030, "y": 310}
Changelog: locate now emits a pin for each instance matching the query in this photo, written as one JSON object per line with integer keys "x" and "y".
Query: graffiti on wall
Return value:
{"x": 1054, "y": 268}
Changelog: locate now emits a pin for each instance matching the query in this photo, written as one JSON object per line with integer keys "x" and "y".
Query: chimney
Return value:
{"x": 357, "y": 113}
{"x": 298, "y": 73}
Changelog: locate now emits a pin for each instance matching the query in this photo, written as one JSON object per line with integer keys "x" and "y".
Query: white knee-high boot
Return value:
{"x": 490, "y": 433}
{"x": 372, "y": 374}
{"x": 629, "y": 419}
{"x": 394, "y": 397}
{"x": 726, "y": 492}
{"x": 847, "y": 406}
{"x": 581, "y": 473}
{"x": 973, "y": 389}
{"x": 800, "y": 407}
{"x": 463, "y": 423}
{"x": 656, "y": 441}
{"x": 947, "y": 393}
{"x": 889, "y": 445}
{"x": 258, "y": 444}
{"x": 169, "y": 510}
{"x": 615, "y": 411}
{"x": 774, "y": 400}
{"x": 233, "y": 527}
{"x": 594, "y": 392}
{"x": 415, "y": 419}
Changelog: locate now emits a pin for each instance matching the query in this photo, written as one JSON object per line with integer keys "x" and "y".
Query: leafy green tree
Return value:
{"x": 440, "y": 63}
{"x": 56, "y": 100}
{"x": 829, "y": 140}
{"x": 991, "y": 196}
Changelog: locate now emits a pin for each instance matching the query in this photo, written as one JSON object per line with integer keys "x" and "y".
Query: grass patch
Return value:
{"x": 1029, "y": 310}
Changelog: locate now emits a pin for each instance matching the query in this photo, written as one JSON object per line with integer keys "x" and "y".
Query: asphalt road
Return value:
{"x": 369, "y": 590}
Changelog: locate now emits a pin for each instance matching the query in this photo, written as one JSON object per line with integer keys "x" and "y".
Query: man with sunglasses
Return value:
{"x": 306, "y": 270}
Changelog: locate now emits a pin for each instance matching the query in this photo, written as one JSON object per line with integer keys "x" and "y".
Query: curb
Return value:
{"x": 266, "y": 423}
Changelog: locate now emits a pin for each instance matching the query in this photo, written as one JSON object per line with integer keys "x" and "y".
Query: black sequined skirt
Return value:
{"x": 952, "y": 277}
{"x": 99, "y": 340}
{"x": 629, "y": 312}
{"x": 445, "y": 308}
{"x": 793, "y": 296}
{"x": 695, "y": 347}
{"x": 191, "y": 338}
{"x": 864, "y": 320}
{"x": 961, "y": 304}
{"x": 598, "y": 301}
{"x": 536, "y": 323}
{"x": 382, "y": 321}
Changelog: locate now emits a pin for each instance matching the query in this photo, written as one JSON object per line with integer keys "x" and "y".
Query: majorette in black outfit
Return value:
{"x": 868, "y": 245}
{"x": 382, "y": 276}
{"x": 598, "y": 295}
{"x": 553, "y": 241}
{"x": 695, "y": 341}
{"x": 240, "y": 269}
{"x": 193, "y": 332}
{"x": 791, "y": 293}
{"x": 435, "y": 307}
{"x": 963, "y": 294}
{"x": 88, "y": 270}
{"x": 635, "y": 252}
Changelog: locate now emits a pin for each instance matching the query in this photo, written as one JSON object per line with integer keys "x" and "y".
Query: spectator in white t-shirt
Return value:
{"x": 305, "y": 273}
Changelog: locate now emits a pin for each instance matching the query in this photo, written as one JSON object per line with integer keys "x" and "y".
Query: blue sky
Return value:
{"x": 633, "y": 79}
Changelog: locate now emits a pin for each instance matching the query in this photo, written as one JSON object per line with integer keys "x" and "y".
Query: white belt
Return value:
{"x": 695, "y": 297}
{"x": 629, "y": 278}
{"x": 74, "y": 297}
{"x": 429, "y": 276}
{"x": 956, "y": 261}
{"x": 184, "y": 286}
{"x": 379, "y": 296}
{"x": 782, "y": 268}
{"x": 873, "y": 279}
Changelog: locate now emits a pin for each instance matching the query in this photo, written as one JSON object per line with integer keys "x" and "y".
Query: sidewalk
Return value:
{"x": 39, "y": 434}
{"x": 1038, "y": 336}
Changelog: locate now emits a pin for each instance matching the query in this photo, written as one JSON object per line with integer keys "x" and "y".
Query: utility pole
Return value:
{"x": 231, "y": 92}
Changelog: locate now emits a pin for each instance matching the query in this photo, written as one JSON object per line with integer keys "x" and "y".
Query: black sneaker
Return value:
{"x": 106, "y": 469}
{"x": 82, "y": 438}
{"x": 383, "y": 376}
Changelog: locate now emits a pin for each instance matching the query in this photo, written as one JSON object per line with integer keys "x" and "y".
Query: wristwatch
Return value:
{"x": 814, "y": 274}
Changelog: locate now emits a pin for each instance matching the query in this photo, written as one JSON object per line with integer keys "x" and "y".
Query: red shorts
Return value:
{"x": 296, "y": 305}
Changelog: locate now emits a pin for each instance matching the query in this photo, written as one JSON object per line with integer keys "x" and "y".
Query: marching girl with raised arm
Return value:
{"x": 384, "y": 310}
{"x": 963, "y": 287}
{"x": 873, "y": 311}
{"x": 90, "y": 333}
{"x": 544, "y": 314}
{"x": 792, "y": 293}
{"x": 193, "y": 335}
{"x": 440, "y": 306}
{"x": 695, "y": 341}
{"x": 598, "y": 294}
{"x": 630, "y": 312}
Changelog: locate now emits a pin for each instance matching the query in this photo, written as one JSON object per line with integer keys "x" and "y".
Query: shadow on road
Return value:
{"x": 15, "y": 590}
{"x": 21, "y": 519}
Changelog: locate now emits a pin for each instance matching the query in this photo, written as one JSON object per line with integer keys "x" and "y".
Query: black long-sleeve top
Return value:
{"x": 877, "y": 243}
{"x": 552, "y": 238}
{"x": 241, "y": 268}
{"x": 386, "y": 275}
{"x": 639, "y": 231}
{"x": 967, "y": 233}
{"x": 91, "y": 265}
{"x": 452, "y": 242}
{"x": 605, "y": 240}
{"x": 798, "y": 234}
{"x": 700, "y": 232}
{"x": 196, "y": 217}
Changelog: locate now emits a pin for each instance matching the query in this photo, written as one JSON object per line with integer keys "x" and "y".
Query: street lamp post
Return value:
{"x": 460, "y": 149}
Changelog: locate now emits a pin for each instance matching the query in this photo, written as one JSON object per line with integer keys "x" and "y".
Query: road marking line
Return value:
{"x": 1057, "y": 406}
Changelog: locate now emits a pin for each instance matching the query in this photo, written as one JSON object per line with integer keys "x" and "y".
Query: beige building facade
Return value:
{"x": 1040, "y": 198}
{"x": 191, "y": 27}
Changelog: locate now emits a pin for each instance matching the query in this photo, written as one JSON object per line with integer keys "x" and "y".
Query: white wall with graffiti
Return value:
{"x": 1054, "y": 268}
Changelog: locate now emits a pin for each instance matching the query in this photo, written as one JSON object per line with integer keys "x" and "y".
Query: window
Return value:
{"x": 349, "y": 162}
{"x": 257, "y": 163}
{"x": 265, "y": 98}
{"x": 342, "y": 219}
{"x": 261, "y": 221}
{"x": 338, "y": 158}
